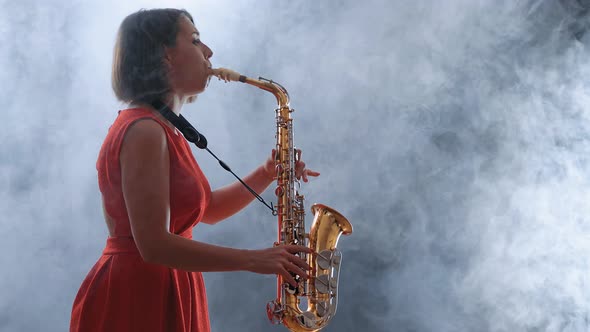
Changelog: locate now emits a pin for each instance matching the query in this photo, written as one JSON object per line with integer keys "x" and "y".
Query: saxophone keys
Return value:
{"x": 321, "y": 308}
{"x": 290, "y": 289}
{"x": 322, "y": 284}
{"x": 324, "y": 259}
{"x": 333, "y": 283}
{"x": 279, "y": 169}
{"x": 307, "y": 319}
{"x": 274, "y": 312}
{"x": 337, "y": 259}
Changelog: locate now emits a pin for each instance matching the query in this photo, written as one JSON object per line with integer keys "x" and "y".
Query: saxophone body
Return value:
{"x": 319, "y": 292}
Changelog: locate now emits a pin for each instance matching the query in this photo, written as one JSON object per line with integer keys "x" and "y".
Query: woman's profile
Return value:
{"x": 148, "y": 277}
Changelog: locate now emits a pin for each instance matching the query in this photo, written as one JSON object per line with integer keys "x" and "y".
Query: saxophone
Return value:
{"x": 319, "y": 291}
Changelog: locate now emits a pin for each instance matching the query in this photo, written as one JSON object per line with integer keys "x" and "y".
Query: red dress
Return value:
{"x": 122, "y": 292}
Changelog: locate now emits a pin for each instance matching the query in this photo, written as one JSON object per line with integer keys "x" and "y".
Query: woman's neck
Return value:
{"x": 174, "y": 102}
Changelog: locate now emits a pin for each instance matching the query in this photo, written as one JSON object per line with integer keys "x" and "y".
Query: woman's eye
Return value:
{"x": 196, "y": 41}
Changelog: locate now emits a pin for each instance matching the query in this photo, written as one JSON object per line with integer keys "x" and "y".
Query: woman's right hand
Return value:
{"x": 280, "y": 260}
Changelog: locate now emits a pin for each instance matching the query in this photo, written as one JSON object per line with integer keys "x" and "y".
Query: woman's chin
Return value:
{"x": 198, "y": 90}
{"x": 191, "y": 99}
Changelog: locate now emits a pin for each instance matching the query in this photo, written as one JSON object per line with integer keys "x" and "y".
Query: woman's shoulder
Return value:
{"x": 133, "y": 121}
{"x": 145, "y": 135}
{"x": 142, "y": 123}
{"x": 129, "y": 116}
{"x": 134, "y": 128}
{"x": 134, "y": 112}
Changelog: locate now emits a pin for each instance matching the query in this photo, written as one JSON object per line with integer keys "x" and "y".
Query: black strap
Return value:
{"x": 182, "y": 124}
{"x": 192, "y": 135}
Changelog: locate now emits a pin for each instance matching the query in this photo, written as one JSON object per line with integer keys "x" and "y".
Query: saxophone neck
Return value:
{"x": 273, "y": 87}
{"x": 262, "y": 83}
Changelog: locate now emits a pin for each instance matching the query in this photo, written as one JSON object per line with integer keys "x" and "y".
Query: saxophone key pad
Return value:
{"x": 307, "y": 319}
{"x": 321, "y": 308}
{"x": 324, "y": 259}
{"x": 333, "y": 283}
{"x": 322, "y": 284}
{"x": 337, "y": 258}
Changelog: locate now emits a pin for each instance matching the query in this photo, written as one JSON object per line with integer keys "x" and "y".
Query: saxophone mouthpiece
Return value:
{"x": 227, "y": 75}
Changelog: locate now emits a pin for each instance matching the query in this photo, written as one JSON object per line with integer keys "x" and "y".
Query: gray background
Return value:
{"x": 453, "y": 134}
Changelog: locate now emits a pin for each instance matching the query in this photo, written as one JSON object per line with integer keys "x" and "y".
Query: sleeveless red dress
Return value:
{"x": 122, "y": 292}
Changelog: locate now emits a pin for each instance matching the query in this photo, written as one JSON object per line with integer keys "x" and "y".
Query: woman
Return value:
{"x": 149, "y": 276}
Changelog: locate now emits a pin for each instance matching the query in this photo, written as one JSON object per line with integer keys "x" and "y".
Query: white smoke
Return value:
{"x": 452, "y": 134}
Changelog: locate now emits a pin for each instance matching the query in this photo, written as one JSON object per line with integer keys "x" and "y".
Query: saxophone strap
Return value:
{"x": 192, "y": 135}
{"x": 182, "y": 124}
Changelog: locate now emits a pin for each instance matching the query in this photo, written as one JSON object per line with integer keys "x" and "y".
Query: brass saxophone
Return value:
{"x": 321, "y": 289}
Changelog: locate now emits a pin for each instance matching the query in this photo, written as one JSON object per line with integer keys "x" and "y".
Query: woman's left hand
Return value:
{"x": 300, "y": 171}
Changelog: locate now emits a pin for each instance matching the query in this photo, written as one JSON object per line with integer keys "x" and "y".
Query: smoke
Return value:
{"x": 453, "y": 135}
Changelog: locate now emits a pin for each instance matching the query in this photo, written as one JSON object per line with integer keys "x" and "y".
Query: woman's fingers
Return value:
{"x": 282, "y": 260}
{"x": 296, "y": 260}
{"x": 288, "y": 278}
{"x": 309, "y": 172}
{"x": 301, "y": 263}
{"x": 301, "y": 173}
{"x": 289, "y": 269}
{"x": 305, "y": 173}
{"x": 297, "y": 270}
{"x": 292, "y": 248}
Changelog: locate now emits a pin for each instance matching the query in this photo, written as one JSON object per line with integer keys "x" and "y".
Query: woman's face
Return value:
{"x": 188, "y": 60}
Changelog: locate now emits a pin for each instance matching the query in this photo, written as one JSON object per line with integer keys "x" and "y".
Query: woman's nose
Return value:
{"x": 208, "y": 52}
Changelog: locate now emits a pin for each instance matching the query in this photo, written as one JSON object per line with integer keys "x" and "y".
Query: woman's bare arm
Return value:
{"x": 228, "y": 200}
{"x": 145, "y": 167}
